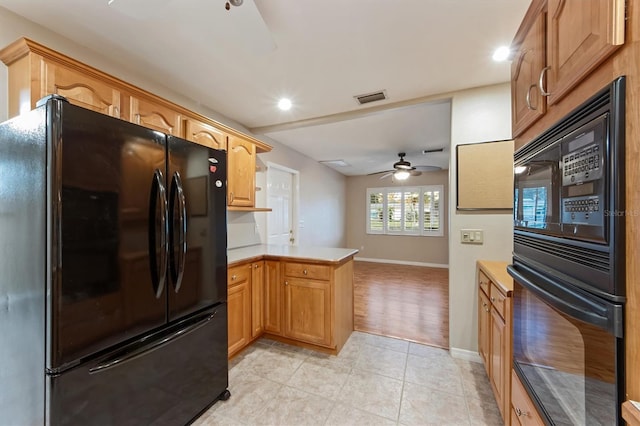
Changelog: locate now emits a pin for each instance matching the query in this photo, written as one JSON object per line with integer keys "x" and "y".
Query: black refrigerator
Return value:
{"x": 113, "y": 265}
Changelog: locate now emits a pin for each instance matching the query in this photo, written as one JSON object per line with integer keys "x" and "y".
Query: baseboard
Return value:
{"x": 465, "y": 354}
{"x": 401, "y": 262}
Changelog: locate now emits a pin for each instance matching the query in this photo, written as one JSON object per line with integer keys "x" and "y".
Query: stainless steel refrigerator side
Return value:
{"x": 22, "y": 268}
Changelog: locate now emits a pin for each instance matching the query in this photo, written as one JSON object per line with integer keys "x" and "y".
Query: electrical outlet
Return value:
{"x": 471, "y": 236}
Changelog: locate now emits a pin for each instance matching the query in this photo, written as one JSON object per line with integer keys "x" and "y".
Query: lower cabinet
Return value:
{"x": 523, "y": 412}
{"x": 495, "y": 288}
{"x": 310, "y": 303}
{"x": 239, "y": 307}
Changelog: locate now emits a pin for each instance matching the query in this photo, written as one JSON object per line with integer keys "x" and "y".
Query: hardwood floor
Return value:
{"x": 408, "y": 302}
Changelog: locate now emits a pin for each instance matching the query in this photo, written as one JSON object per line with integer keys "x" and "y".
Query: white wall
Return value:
{"x": 478, "y": 115}
{"x": 322, "y": 201}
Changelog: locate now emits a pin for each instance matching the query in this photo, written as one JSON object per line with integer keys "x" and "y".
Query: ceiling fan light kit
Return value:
{"x": 402, "y": 169}
{"x": 401, "y": 175}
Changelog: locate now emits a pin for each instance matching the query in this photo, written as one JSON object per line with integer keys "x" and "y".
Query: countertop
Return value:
{"x": 321, "y": 254}
{"x": 497, "y": 273}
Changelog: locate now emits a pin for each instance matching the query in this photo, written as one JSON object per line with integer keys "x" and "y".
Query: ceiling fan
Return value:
{"x": 402, "y": 168}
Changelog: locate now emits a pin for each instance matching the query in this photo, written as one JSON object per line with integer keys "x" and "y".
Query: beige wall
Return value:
{"x": 478, "y": 115}
{"x": 322, "y": 189}
{"x": 428, "y": 251}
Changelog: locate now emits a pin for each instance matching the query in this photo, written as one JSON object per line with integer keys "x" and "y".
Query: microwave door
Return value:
{"x": 537, "y": 195}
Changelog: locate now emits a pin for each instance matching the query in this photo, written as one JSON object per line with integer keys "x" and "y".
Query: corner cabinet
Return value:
{"x": 495, "y": 288}
{"x": 35, "y": 71}
{"x": 558, "y": 44}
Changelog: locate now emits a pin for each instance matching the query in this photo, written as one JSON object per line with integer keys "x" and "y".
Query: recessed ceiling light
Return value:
{"x": 501, "y": 54}
{"x": 284, "y": 104}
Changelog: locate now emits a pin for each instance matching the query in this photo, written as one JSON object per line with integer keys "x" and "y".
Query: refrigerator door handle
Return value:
{"x": 158, "y": 274}
{"x": 177, "y": 267}
{"x": 126, "y": 354}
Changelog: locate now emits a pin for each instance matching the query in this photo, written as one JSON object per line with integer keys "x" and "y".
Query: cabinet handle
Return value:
{"x": 256, "y": 266}
{"x": 493, "y": 299}
{"x": 519, "y": 412}
{"x": 137, "y": 116}
{"x": 116, "y": 112}
{"x": 231, "y": 197}
{"x": 286, "y": 283}
{"x": 233, "y": 277}
{"x": 528, "y": 98}
{"x": 304, "y": 272}
{"x": 541, "y": 81}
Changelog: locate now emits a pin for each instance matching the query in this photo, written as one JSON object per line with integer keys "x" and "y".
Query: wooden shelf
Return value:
{"x": 247, "y": 209}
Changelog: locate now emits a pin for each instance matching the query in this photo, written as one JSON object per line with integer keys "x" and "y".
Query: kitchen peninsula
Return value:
{"x": 298, "y": 295}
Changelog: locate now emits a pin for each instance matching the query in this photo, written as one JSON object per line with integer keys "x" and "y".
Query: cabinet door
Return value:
{"x": 241, "y": 172}
{"x": 204, "y": 134}
{"x": 257, "y": 299}
{"x": 272, "y": 298}
{"x": 307, "y": 307}
{"x": 528, "y": 104}
{"x": 497, "y": 358}
{"x": 239, "y": 308}
{"x": 483, "y": 328}
{"x": 581, "y": 35}
{"x": 81, "y": 90}
{"x": 155, "y": 116}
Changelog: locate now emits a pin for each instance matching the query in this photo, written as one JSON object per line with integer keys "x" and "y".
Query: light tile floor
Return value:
{"x": 374, "y": 380}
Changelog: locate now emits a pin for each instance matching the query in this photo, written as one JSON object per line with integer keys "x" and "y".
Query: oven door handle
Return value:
{"x": 600, "y": 313}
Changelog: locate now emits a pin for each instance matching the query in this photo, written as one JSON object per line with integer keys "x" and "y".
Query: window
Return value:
{"x": 405, "y": 211}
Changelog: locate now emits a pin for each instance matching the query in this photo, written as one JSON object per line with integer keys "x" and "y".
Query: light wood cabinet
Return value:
{"x": 495, "y": 288}
{"x": 205, "y": 134}
{"x": 155, "y": 116}
{"x": 272, "y": 298}
{"x": 239, "y": 307}
{"x": 257, "y": 298}
{"x": 241, "y": 172}
{"x": 35, "y": 71}
{"x": 581, "y": 34}
{"x": 558, "y": 44}
{"x": 528, "y": 104}
{"x": 307, "y": 310}
{"x": 484, "y": 316}
{"x": 523, "y": 412}
{"x": 81, "y": 90}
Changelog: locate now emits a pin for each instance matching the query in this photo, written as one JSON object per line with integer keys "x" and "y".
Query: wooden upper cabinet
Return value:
{"x": 155, "y": 116}
{"x": 581, "y": 34}
{"x": 204, "y": 134}
{"x": 528, "y": 104}
{"x": 241, "y": 172}
{"x": 81, "y": 90}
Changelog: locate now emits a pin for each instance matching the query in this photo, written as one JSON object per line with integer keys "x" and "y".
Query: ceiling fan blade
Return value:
{"x": 386, "y": 175}
{"x": 426, "y": 151}
{"x": 428, "y": 168}
{"x": 384, "y": 171}
{"x": 415, "y": 172}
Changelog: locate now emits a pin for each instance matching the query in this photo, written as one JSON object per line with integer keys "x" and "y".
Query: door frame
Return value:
{"x": 295, "y": 195}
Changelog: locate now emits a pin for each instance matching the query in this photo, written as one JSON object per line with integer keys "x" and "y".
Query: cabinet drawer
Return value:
{"x": 523, "y": 409}
{"x": 238, "y": 274}
{"x": 498, "y": 300}
{"x": 484, "y": 282}
{"x": 307, "y": 270}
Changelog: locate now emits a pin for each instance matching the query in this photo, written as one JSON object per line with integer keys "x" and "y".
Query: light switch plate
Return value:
{"x": 471, "y": 236}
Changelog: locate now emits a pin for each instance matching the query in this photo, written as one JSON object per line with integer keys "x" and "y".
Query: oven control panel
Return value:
{"x": 583, "y": 210}
{"x": 582, "y": 165}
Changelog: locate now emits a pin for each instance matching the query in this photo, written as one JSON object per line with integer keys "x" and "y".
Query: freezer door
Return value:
{"x": 164, "y": 379}
{"x": 197, "y": 227}
{"x": 107, "y": 232}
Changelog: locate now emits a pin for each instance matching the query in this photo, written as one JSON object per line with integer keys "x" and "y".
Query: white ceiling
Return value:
{"x": 318, "y": 53}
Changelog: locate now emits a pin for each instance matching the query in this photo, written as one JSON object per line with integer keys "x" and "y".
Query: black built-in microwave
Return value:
{"x": 569, "y": 196}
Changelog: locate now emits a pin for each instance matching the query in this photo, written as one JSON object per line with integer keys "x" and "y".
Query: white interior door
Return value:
{"x": 281, "y": 184}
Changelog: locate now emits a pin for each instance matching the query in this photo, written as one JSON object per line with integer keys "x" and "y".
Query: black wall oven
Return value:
{"x": 568, "y": 264}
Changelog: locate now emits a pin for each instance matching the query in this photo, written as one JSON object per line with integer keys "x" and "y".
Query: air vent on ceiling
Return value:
{"x": 338, "y": 163}
{"x": 371, "y": 97}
